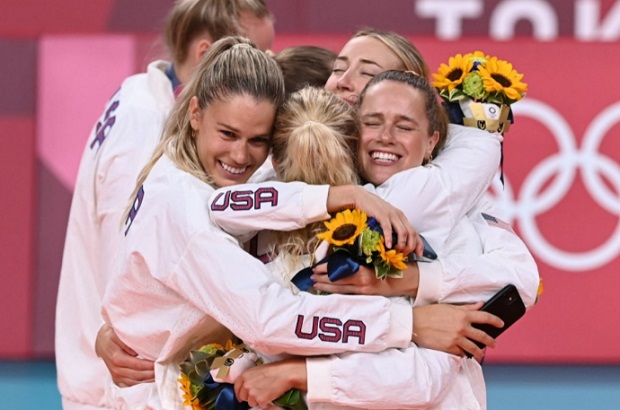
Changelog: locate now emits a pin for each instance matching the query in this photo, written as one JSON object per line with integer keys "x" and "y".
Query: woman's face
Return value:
{"x": 232, "y": 136}
{"x": 360, "y": 60}
{"x": 394, "y": 131}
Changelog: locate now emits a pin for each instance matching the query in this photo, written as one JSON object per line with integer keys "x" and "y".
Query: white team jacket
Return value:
{"x": 117, "y": 148}
{"x": 180, "y": 274}
{"x": 479, "y": 259}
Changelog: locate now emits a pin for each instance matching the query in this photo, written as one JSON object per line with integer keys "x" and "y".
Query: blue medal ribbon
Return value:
{"x": 340, "y": 264}
{"x": 226, "y": 399}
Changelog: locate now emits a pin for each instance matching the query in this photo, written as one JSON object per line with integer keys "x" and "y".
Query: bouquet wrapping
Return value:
{"x": 208, "y": 374}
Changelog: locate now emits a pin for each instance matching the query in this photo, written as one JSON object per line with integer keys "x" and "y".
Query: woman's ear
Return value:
{"x": 201, "y": 48}
{"x": 274, "y": 164}
{"x": 194, "y": 113}
{"x": 432, "y": 143}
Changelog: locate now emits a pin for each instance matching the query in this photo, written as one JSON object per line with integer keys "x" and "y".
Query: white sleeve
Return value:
{"x": 468, "y": 278}
{"x": 236, "y": 290}
{"x": 411, "y": 378}
{"x": 436, "y": 196}
{"x": 242, "y": 210}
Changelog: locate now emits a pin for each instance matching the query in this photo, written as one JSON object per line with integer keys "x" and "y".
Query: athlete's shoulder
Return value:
{"x": 151, "y": 90}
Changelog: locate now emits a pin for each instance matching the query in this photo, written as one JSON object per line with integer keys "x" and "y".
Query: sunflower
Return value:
{"x": 189, "y": 398}
{"x": 452, "y": 75}
{"x": 499, "y": 76}
{"x": 344, "y": 228}
{"x": 392, "y": 257}
{"x": 477, "y": 57}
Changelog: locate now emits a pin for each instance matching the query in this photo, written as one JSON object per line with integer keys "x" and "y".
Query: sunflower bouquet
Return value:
{"x": 207, "y": 377}
{"x": 479, "y": 89}
{"x": 355, "y": 234}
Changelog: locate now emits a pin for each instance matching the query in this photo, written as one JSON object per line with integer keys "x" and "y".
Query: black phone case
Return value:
{"x": 505, "y": 304}
{"x": 428, "y": 253}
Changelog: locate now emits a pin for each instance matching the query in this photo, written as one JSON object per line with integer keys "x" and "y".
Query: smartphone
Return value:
{"x": 505, "y": 304}
{"x": 428, "y": 254}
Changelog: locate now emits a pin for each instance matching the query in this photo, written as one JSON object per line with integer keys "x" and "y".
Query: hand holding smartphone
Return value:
{"x": 505, "y": 304}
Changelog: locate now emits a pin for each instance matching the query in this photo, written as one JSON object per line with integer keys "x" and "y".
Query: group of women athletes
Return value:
{"x": 182, "y": 278}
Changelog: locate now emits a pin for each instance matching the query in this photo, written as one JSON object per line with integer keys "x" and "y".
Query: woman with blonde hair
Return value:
{"x": 181, "y": 281}
{"x": 119, "y": 145}
{"x": 314, "y": 141}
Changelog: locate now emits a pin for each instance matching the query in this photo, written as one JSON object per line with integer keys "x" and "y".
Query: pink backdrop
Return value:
{"x": 561, "y": 156}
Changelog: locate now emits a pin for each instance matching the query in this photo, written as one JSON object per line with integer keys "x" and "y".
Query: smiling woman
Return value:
{"x": 368, "y": 53}
{"x": 231, "y": 147}
{"x": 402, "y": 125}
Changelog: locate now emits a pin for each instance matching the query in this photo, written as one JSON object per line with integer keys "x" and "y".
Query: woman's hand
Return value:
{"x": 126, "y": 369}
{"x": 389, "y": 218}
{"x": 365, "y": 282}
{"x": 449, "y": 328}
{"x": 261, "y": 385}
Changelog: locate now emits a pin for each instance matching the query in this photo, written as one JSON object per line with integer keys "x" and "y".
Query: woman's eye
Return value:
{"x": 371, "y": 75}
{"x": 371, "y": 124}
{"x": 227, "y": 134}
{"x": 260, "y": 141}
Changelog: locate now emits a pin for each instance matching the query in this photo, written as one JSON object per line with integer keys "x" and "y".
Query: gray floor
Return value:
{"x": 32, "y": 386}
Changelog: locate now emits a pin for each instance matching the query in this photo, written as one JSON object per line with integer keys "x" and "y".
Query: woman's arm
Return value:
{"x": 435, "y": 197}
{"x": 463, "y": 276}
{"x": 242, "y": 210}
{"x": 228, "y": 285}
{"x": 413, "y": 378}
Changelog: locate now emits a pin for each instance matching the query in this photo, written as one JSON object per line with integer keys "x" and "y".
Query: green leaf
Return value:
{"x": 394, "y": 273}
{"x": 196, "y": 356}
{"x": 202, "y": 368}
{"x": 186, "y": 368}
{"x": 195, "y": 378}
{"x": 291, "y": 400}
{"x": 381, "y": 270}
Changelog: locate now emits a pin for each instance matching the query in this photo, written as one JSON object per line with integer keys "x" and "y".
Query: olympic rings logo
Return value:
{"x": 564, "y": 165}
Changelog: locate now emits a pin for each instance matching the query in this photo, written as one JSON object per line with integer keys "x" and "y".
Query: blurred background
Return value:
{"x": 63, "y": 59}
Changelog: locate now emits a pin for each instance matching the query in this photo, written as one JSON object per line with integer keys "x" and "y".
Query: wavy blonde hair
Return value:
{"x": 232, "y": 66}
{"x": 408, "y": 54}
{"x": 315, "y": 141}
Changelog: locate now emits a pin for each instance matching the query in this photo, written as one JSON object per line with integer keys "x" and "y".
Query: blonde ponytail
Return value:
{"x": 315, "y": 141}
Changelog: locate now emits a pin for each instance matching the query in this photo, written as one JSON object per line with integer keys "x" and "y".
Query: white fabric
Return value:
{"x": 479, "y": 260}
{"x": 106, "y": 177}
{"x": 435, "y": 199}
{"x": 180, "y": 274}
